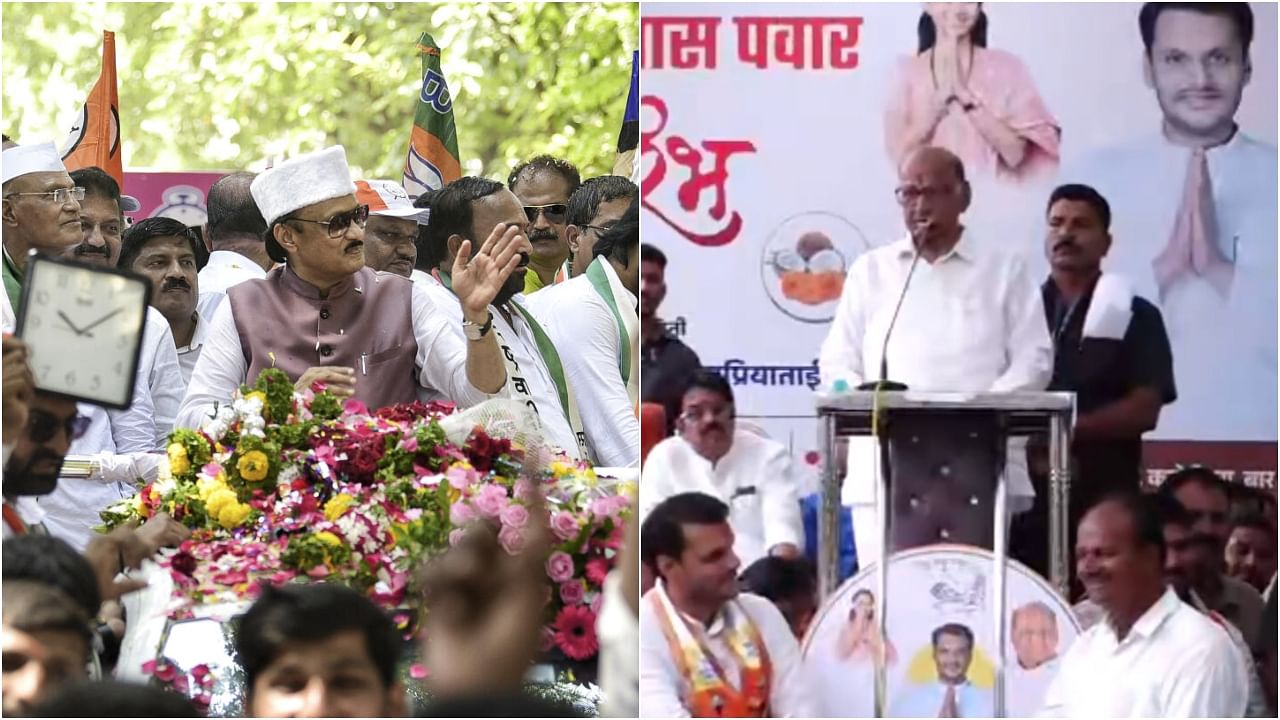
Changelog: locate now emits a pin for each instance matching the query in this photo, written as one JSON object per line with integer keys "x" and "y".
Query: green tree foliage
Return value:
{"x": 222, "y": 86}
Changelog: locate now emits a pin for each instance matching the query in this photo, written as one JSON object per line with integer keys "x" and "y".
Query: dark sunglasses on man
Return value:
{"x": 338, "y": 224}
{"x": 556, "y": 212}
{"x": 42, "y": 426}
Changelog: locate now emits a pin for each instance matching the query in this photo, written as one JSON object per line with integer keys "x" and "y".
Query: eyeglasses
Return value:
{"x": 911, "y": 193}
{"x": 555, "y": 212}
{"x": 693, "y": 414}
{"x": 600, "y": 229}
{"x": 338, "y": 224}
{"x": 42, "y": 426}
{"x": 61, "y": 196}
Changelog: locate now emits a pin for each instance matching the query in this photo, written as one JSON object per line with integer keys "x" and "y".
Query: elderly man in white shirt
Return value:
{"x": 1196, "y": 204}
{"x": 594, "y": 319}
{"x": 467, "y": 208}
{"x": 752, "y": 475}
{"x": 705, "y": 649}
{"x": 233, "y": 234}
{"x": 1153, "y": 655}
{"x": 971, "y": 320}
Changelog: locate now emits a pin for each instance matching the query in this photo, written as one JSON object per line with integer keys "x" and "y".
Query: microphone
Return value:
{"x": 884, "y": 383}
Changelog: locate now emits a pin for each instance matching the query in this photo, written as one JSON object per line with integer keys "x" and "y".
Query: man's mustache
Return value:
{"x": 176, "y": 283}
{"x": 543, "y": 235}
{"x": 1066, "y": 242}
{"x": 87, "y": 249}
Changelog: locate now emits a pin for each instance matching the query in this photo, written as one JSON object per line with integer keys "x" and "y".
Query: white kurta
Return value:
{"x": 756, "y": 479}
{"x": 1174, "y": 662}
{"x": 972, "y": 321}
{"x": 585, "y": 331}
{"x": 159, "y": 365}
{"x": 206, "y": 306}
{"x": 226, "y": 269}
{"x": 1222, "y": 395}
{"x": 221, "y": 369}
{"x": 791, "y": 693}
{"x": 517, "y": 337}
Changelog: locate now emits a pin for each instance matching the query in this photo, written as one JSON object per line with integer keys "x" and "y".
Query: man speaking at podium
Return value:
{"x": 940, "y": 310}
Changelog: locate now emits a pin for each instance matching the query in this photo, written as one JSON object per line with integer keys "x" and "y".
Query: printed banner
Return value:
{"x": 770, "y": 138}
{"x": 178, "y": 195}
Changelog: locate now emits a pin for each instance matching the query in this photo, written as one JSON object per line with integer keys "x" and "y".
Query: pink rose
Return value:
{"x": 461, "y": 513}
{"x": 459, "y": 477}
{"x": 559, "y": 566}
{"x": 515, "y": 516}
{"x": 564, "y": 525}
{"x": 491, "y": 501}
{"x": 409, "y": 444}
{"x": 597, "y": 570}
{"x": 523, "y": 489}
{"x": 571, "y": 593}
{"x": 511, "y": 539}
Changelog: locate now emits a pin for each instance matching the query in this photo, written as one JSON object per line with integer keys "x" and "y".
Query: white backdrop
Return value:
{"x": 820, "y": 154}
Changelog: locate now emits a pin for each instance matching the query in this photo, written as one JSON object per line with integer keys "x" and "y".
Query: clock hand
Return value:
{"x": 102, "y": 319}
{"x": 70, "y": 324}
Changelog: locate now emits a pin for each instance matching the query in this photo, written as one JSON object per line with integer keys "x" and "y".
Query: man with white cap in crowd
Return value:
{"x": 390, "y": 236}
{"x": 41, "y": 211}
{"x": 324, "y": 316}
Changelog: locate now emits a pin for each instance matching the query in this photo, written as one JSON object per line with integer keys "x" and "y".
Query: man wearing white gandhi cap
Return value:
{"x": 323, "y": 316}
{"x": 41, "y": 211}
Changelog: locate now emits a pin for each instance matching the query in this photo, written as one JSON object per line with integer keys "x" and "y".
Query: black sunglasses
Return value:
{"x": 555, "y": 212}
{"x": 42, "y": 426}
{"x": 338, "y": 224}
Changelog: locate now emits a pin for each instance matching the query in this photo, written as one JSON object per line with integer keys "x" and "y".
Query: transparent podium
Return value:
{"x": 941, "y": 479}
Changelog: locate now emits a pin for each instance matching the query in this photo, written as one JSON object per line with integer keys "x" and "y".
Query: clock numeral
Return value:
{"x": 95, "y": 382}
{"x": 63, "y": 279}
{"x": 35, "y": 321}
{"x": 42, "y": 297}
{"x": 44, "y": 371}
{"x": 119, "y": 367}
{"x": 70, "y": 377}
{"x": 122, "y": 342}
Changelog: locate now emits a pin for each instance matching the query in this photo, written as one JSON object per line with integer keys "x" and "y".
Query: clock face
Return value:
{"x": 83, "y": 329}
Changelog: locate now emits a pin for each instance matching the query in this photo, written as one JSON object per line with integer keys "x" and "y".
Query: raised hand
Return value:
{"x": 19, "y": 387}
{"x": 478, "y": 278}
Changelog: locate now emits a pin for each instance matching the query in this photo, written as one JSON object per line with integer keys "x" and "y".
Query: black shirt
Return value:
{"x": 1101, "y": 371}
{"x": 666, "y": 366}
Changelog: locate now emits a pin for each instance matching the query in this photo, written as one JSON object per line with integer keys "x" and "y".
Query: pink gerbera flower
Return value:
{"x": 576, "y": 632}
{"x": 597, "y": 570}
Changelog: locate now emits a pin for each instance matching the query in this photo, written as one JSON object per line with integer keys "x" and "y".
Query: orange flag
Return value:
{"x": 95, "y": 138}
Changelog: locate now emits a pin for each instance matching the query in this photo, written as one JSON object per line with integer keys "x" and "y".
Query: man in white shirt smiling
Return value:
{"x": 752, "y": 475}
{"x": 705, "y": 649}
{"x": 594, "y": 319}
{"x": 1195, "y": 207}
{"x": 972, "y": 320}
{"x": 1153, "y": 656}
{"x": 234, "y": 235}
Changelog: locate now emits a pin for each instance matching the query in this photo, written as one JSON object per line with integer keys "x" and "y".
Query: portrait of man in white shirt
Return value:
{"x": 953, "y": 695}
{"x": 1194, "y": 203}
{"x": 753, "y": 475}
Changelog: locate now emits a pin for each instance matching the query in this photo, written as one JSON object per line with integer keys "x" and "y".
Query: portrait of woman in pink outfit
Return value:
{"x": 977, "y": 102}
{"x": 860, "y": 638}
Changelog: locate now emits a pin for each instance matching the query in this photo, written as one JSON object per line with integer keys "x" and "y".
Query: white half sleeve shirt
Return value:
{"x": 585, "y": 331}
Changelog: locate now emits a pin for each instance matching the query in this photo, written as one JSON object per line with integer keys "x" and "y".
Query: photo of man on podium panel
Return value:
{"x": 938, "y": 311}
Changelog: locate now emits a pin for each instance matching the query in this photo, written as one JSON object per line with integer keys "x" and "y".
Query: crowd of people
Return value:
{"x": 473, "y": 291}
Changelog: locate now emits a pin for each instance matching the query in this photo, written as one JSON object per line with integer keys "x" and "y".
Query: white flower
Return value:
{"x": 288, "y": 475}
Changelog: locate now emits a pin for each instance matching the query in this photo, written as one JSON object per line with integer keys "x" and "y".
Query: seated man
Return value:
{"x": 114, "y": 698}
{"x": 752, "y": 475}
{"x": 705, "y": 649}
{"x": 1207, "y": 498}
{"x": 593, "y": 319}
{"x": 1154, "y": 656}
{"x": 323, "y": 316}
{"x": 46, "y": 643}
{"x": 321, "y": 650}
{"x": 953, "y": 695}
{"x": 790, "y": 584}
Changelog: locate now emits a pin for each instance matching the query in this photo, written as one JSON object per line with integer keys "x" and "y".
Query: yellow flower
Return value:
{"x": 257, "y": 394}
{"x": 328, "y": 538}
{"x": 337, "y": 506}
{"x": 179, "y": 463}
{"x": 454, "y": 494}
{"x": 628, "y": 488}
{"x": 218, "y": 500}
{"x": 206, "y": 485}
{"x": 561, "y": 469}
{"x": 137, "y": 503}
{"x": 233, "y": 514}
{"x": 253, "y": 465}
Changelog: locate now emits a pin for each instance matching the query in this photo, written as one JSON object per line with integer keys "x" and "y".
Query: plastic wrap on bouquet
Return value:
{"x": 505, "y": 420}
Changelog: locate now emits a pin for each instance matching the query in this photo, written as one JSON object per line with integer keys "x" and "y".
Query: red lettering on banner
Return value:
{"x": 689, "y": 193}
{"x": 801, "y": 42}
{"x": 691, "y": 42}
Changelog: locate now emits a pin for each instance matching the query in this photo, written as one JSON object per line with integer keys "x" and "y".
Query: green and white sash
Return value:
{"x": 610, "y": 288}
{"x": 550, "y": 358}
